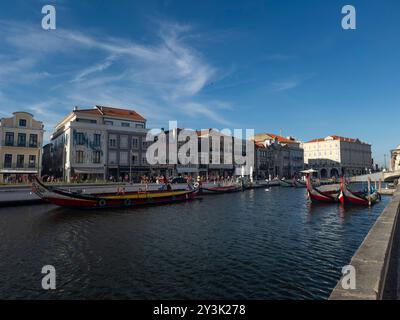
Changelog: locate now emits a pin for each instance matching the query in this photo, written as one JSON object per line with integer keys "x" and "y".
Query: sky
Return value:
{"x": 279, "y": 66}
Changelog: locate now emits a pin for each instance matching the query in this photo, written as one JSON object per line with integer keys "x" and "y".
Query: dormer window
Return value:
{"x": 22, "y": 122}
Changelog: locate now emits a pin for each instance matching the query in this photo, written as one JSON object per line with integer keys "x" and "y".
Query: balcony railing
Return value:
{"x": 15, "y": 166}
{"x": 21, "y": 145}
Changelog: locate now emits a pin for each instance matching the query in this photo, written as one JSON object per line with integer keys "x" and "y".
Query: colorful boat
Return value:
{"x": 286, "y": 183}
{"x": 317, "y": 195}
{"x": 363, "y": 198}
{"x": 216, "y": 189}
{"x": 70, "y": 199}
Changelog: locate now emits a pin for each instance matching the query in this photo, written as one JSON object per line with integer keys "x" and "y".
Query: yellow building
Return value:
{"x": 21, "y": 140}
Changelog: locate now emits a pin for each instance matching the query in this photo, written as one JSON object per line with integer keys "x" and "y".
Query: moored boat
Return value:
{"x": 121, "y": 198}
{"x": 317, "y": 195}
{"x": 286, "y": 183}
{"x": 219, "y": 189}
{"x": 362, "y": 198}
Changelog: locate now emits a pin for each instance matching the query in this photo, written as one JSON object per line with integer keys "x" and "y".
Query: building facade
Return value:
{"x": 395, "y": 159}
{"x": 277, "y": 156}
{"x": 21, "y": 139}
{"x": 334, "y": 155}
{"x": 97, "y": 144}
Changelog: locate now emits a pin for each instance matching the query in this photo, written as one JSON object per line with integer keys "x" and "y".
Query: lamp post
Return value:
{"x": 130, "y": 166}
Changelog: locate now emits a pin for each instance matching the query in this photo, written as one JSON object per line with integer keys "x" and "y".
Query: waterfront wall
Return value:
{"x": 375, "y": 262}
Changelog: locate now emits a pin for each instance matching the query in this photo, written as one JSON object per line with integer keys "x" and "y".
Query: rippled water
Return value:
{"x": 254, "y": 245}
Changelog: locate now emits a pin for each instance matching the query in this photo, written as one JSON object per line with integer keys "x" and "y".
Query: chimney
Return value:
{"x": 76, "y": 108}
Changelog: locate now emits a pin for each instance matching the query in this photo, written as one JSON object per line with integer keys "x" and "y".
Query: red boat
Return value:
{"x": 66, "y": 198}
{"x": 220, "y": 189}
{"x": 317, "y": 195}
{"x": 367, "y": 198}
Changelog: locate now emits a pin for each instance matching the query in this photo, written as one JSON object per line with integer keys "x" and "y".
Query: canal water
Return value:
{"x": 255, "y": 244}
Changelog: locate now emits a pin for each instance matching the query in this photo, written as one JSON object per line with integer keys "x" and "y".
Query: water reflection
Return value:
{"x": 256, "y": 244}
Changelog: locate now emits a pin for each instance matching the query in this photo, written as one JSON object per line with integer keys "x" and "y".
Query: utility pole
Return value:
{"x": 130, "y": 165}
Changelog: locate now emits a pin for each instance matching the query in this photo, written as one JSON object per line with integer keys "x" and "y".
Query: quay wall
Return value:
{"x": 375, "y": 261}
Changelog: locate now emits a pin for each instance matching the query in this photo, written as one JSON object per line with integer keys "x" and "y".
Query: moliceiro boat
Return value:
{"x": 363, "y": 198}
{"x": 64, "y": 198}
{"x": 220, "y": 189}
{"x": 292, "y": 183}
{"x": 317, "y": 195}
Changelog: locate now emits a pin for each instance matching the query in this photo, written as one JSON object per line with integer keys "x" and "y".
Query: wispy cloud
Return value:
{"x": 289, "y": 83}
{"x": 77, "y": 68}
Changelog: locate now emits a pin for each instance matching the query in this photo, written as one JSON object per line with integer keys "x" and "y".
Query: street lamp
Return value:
{"x": 130, "y": 166}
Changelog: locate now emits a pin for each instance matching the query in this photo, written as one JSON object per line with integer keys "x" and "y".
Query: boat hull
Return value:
{"x": 316, "y": 195}
{"x": 348, "y": 197}
{"x": 69, "y": 199}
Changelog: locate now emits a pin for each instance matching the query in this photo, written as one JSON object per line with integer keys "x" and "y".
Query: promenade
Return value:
{"x": 377, "y": 260}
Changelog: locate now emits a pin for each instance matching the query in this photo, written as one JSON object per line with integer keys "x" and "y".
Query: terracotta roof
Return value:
{"x": 265, "y": 136}
{"x": 339, "y": 138}
{"x": 260, "y": 145}
{"x": 113, "y": 112}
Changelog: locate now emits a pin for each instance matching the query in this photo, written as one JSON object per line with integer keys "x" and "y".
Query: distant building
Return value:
{"x": 277, "y": 156}
{"x": 333, "y": 155}
{"x": 98, "y": 143}
{"x": 395, "y": 159}
{"x": 21, "y": 138}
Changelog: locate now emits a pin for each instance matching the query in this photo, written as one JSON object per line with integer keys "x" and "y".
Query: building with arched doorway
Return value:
{"x": 334, "y": 155}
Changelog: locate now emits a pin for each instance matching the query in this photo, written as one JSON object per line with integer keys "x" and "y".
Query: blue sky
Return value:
{"x": 275, "y": 66}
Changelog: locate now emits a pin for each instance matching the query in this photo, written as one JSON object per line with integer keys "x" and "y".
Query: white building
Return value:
{"x": 98, "y": 143}
{"x": 395, "y": 159}
{"x": 333, "y": 155}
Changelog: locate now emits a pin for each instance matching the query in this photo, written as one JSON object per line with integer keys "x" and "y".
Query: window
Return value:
{"x": 86, "y": 120}
{"x": 144, "y": 160}
{"x": 97, "y": 140}
{"x": 108, "y": 123}
{"x": 135, "y": 159}
{"x": 20, "y": 161}
{"x": 7, "y": 160}
{"x": 113, "y": 140}
{"x": 125, "y": 124}
{"x": 33, "y": 140}
{"x": 135, "y": 143}
{"x": 139, "y": 125}
{"x": 112, "y": 157}
{"x": 32, "y": 161}
{"x": 80, "y": 138}
{"x": 123, "y": 142}
{"x": 96, "y": 156}
{"x": 9, "y": 139}
{"x": 144, "y": 144}
{"x": 79, "y": 156}
{"x": 22, "y": 122}
{"x": 21, "y": 140}
{"x": 123, "y": 158}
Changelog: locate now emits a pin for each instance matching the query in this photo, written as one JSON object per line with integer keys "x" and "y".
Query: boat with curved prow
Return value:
{"x": 366, "y": 198}
{"x": 65, "y": 198}
{"x": 317, "y": 195}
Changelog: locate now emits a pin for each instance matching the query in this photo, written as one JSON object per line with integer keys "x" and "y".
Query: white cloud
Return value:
{"x": 159, "y": 75}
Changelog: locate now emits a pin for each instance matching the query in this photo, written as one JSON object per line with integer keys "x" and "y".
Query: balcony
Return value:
{"x": 17, "y": 168}
{"x": 20, "y": 145}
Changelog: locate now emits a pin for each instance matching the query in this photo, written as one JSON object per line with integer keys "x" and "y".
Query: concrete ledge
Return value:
{"x": 371, "y": 261}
